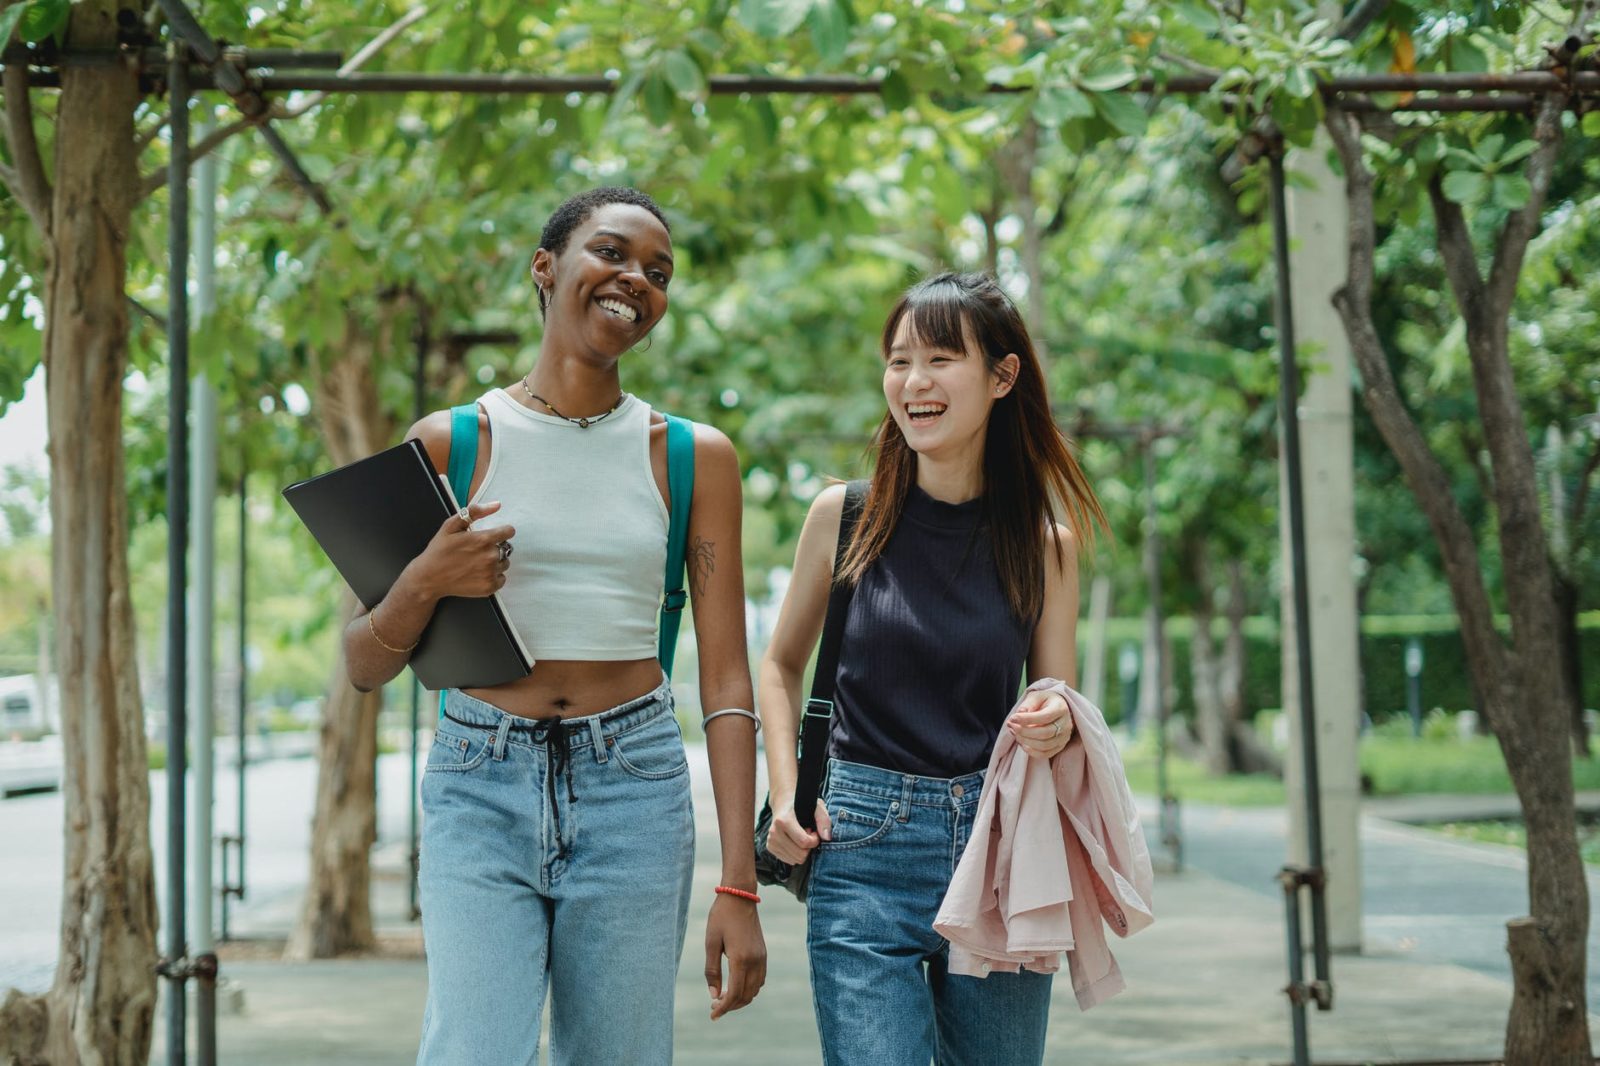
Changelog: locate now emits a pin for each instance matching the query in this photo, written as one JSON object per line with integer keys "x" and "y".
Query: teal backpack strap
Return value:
{"x": 463, "y": 450}
{"x": 680, "y": 486}
{"x": 463, "y": 461}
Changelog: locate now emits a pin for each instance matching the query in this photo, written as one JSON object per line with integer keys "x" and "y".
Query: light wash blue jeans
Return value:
{"x": 879, "y": 973}
{"x": 554, "y": 854}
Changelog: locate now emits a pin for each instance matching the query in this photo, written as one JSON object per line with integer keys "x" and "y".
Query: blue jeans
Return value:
{"x": 879, "y": 973}
{"x": 554, "y": 854}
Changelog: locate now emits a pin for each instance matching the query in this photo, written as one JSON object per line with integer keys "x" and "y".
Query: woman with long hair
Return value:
{"x": 558, "y": 835}
{"x": 964, "y": 564}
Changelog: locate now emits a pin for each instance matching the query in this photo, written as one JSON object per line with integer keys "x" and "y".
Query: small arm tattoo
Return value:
{"x": 702, "y": 564}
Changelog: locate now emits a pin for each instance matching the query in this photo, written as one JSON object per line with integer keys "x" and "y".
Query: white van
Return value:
{"x": 30, "y": 749}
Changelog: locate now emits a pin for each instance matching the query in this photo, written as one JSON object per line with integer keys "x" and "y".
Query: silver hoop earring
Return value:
{"x": 647, "y": 344}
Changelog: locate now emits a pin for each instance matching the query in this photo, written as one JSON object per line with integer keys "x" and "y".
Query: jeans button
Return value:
{"x": 957, "y": 791}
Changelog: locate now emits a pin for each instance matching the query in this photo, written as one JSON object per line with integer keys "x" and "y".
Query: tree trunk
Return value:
{"x": 1093, "y": 672}
{"x": 1524, "y": 699}
{"x": 1204, "y": 671}
{"x": 101, "y": 1006}
{"x": 1230, "y": 681}
{"x": 1017, "y": 162}
{"x": 1572, "y": 659}
{"x": 336, "y": 916}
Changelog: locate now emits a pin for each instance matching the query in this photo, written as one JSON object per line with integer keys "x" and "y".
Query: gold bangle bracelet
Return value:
{"x": 380, "y": 640}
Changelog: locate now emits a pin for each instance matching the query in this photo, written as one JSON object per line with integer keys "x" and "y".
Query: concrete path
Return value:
{"x": 1204, "y": 981}
{"x": 1426, "y": 897}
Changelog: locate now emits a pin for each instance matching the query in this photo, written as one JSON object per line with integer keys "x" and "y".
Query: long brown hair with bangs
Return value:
{"x": 1030, "y": 477}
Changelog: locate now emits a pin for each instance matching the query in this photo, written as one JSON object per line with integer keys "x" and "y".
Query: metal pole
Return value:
{"x": 1170, "y": 836}
{"x": 202, "y": 655}
{"x": 1296, "y": 988}
{"x": 1532, "y": 81}
{"x": 1157, "y": 663}
{"x": 414, "y": 854}
{"x": 1289, "y": 401}
{"x": 244, "y": 665}
{"x": 177, "y": 551}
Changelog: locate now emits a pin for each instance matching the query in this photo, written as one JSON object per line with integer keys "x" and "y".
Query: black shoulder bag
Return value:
{"x": 817, "y": 720}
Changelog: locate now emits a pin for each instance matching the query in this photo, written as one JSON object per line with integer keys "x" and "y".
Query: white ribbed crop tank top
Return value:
{"x": 591, "y": 544}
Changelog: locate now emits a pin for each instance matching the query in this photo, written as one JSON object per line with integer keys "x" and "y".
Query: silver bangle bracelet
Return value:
{"x": 731, "y": 710}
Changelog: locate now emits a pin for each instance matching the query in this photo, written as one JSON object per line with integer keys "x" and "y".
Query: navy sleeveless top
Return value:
{"x": 932, "y": 655}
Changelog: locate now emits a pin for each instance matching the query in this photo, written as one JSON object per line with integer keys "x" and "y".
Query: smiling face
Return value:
{"x": 940, "y": 395}
{"x": 608, "y": 287}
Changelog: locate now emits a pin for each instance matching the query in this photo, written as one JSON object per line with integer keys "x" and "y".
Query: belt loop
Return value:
{"x": 908, "y": 786}
{"x": 500, "y": 737}
{"x": 597, "y": 733}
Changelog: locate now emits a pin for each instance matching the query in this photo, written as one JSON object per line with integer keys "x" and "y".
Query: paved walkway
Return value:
{"x": 1204, "y": 981}
{"x": 1425, "y": 896}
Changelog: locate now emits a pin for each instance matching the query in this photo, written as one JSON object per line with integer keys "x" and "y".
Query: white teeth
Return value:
{"x": 620, "y": 309}
{"x": 924, "y": 408}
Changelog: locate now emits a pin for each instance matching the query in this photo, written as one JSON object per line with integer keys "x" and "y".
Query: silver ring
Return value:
{"x": 465, "y": 516}
{"x": 505, "y": 550}
{"x": 1057, "y": 733}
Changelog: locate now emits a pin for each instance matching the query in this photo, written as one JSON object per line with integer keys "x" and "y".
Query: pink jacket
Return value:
{"x": 1056, "y": 847}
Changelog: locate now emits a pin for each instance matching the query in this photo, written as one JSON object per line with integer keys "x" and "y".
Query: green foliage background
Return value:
{"x": 797, "y": 220}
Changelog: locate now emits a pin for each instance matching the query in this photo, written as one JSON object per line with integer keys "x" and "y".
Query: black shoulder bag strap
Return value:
{"x": 817, "y": 720}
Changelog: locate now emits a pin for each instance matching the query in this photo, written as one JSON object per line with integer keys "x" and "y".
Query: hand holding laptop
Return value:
{"x": 461, "y": 560}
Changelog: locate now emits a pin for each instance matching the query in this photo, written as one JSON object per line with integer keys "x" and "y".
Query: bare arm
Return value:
{"x": 1042, "y": 721}
{"x": 459, "y": 561}
{"x": 716, "y": 583}
{"x": 805, "y": 606}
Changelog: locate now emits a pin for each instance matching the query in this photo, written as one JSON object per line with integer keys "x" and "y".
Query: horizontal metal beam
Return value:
{"x": 235, "y": 71}
{"x": 722, "y": 85}
{"x": 258, "y": 58}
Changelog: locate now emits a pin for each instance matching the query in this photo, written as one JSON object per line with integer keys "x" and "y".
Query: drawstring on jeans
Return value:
{"x": 546, "y": 731}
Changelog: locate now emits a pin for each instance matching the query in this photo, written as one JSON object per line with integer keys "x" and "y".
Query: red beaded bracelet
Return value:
{"x": 727, "y": 890}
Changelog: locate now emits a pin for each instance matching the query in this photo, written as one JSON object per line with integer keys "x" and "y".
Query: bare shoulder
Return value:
{"x": 1062, "y": 551}
{"x": 1065, "y": 542}
{"x": 828, "y": 507}
{"x": 713, "y": 450}
{"x": 433, "y": 430}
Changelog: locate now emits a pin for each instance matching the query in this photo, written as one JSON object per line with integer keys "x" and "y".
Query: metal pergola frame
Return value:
{"x": 196, "y": 62}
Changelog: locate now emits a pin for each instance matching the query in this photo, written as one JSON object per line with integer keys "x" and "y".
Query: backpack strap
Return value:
{"x": 680, "y": 486}
{"x": 463, "y": 450}
{"x": 463, "y": 461}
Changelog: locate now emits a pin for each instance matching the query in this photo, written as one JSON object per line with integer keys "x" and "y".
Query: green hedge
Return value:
{"x": 1446, "y": 681}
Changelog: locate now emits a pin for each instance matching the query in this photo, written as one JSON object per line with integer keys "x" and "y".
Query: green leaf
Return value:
{"x": 1518, "y": 152}
{"x": 1055, "y": 106}
{"x": 44, "y": 18}
{"x": 572, "y": 37}
{"x": 1467, "y": 57}
{"x": 1512, "y": 191}
{"x": 682, "y": 72}
{"x": 1300, "y": 83}
{"x": 1122, "y": 111}
{"x": 896, "y": 91}
{"x": 1464, "y": 186}
{"x": 1107, "y": 73}
{"x": 269, "y": 256}
{"x": 1488, "y": 149}
{"x": 830, "y": 30}
{"x": 657, "y": 97}
{"x": 1591, "y": 124}
{"x": 774, "y": 18}
{"x": 1198, "y": 15}
{"x": 9, "y": 19}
